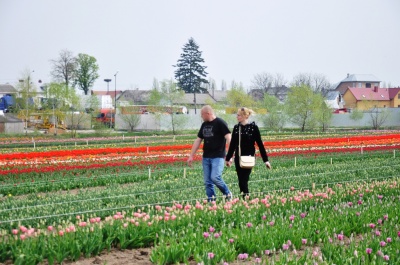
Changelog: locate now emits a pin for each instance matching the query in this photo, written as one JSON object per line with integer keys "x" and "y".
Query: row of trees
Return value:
{"x": 304, "y": 107}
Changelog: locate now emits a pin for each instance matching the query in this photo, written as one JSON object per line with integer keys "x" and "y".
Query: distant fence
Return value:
{"x": 193, "y": 121}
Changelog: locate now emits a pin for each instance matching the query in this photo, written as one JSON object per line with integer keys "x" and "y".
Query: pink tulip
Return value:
{"x": 60, "y": 233}
{"x": 291, "y": 218}
{"x": 14, "y": 231}
{"x": 386, "y": 257}
{"x": 368, "y": 251}
{"x": 211, "y": 229}
{"x": 206, "y": 235}
{"x": 382, "y": 243}
{"x": 285, "y": 246}
{"x": 231, "y": 240}
{"x": 304, "y": 241}
{"x": 385, "y": 217}
{"x": 389, "y": 240}
{"x": 340, "y": 237}
{"x": 210, "y": 255}
{"x": 249, "y": 225}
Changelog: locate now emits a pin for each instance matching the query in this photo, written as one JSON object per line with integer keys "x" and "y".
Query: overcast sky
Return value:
{"x": 238, "y": 39}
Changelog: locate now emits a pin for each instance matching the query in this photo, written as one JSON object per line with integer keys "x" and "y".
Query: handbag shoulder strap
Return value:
{"x": 239, "y": 139}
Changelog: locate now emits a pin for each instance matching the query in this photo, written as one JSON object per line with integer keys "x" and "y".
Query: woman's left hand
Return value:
{"x": 268, "y": 165}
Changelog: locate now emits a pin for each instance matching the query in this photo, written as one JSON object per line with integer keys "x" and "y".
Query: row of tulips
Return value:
{"x": 392, "y": 139}
{"x": 346, "y": 224}
{"x": 156, "y": 138}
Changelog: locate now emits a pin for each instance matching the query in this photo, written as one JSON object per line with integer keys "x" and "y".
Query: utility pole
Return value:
{"x": 115, "y": 98}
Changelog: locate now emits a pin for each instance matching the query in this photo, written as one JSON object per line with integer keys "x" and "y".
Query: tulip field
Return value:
{"x": 329, "y": 199}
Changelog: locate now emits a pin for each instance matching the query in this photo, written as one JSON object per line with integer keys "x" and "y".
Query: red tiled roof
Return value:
{"x": 361, "y": 93}
{"x": 393, "y": 92}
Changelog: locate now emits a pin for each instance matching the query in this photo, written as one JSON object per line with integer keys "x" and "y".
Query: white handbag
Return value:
{"x": 245, "y": 161}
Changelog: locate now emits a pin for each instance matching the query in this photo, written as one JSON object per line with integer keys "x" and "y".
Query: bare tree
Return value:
{"x": 317, "y": 82}
{"x": 268, "y": 83}
{"x": 279, "y": 85}
{"x": 132, "y": 119}
{"x": 279, "y": 80}
{"x": 63, "y": 68}
{"x": 378, "y": 117}
{"x": 263, "y": 81}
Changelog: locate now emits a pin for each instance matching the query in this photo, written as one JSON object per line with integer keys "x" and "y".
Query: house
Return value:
{"x": 218, "y": 95}
{"x": 279, "y": 92}
{"x": 136, "y": 97}
{"x": 366, "y": 98}
{"x": 357, "y": 80}
{"x": 334, "y": 100}
{"x": 7, "y": 89}
{"x": 201, "y": 100}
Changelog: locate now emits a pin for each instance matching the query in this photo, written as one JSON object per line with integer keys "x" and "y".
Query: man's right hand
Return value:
{"x": 189, "y": 161}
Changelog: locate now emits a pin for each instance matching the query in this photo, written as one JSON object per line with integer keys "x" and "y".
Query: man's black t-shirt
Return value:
{"x": 213, "y": 133}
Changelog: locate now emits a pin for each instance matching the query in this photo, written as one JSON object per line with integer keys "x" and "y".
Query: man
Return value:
{"x": 216, "y": 135}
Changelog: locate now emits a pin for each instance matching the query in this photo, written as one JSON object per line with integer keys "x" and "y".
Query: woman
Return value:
{"x": 250, "y": 134}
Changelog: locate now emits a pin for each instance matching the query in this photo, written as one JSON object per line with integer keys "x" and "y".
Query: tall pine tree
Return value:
{"x": 190, "y": 74}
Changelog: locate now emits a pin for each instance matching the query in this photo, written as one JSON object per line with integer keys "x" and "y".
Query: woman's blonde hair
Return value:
{"x": 246, "y": 112}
